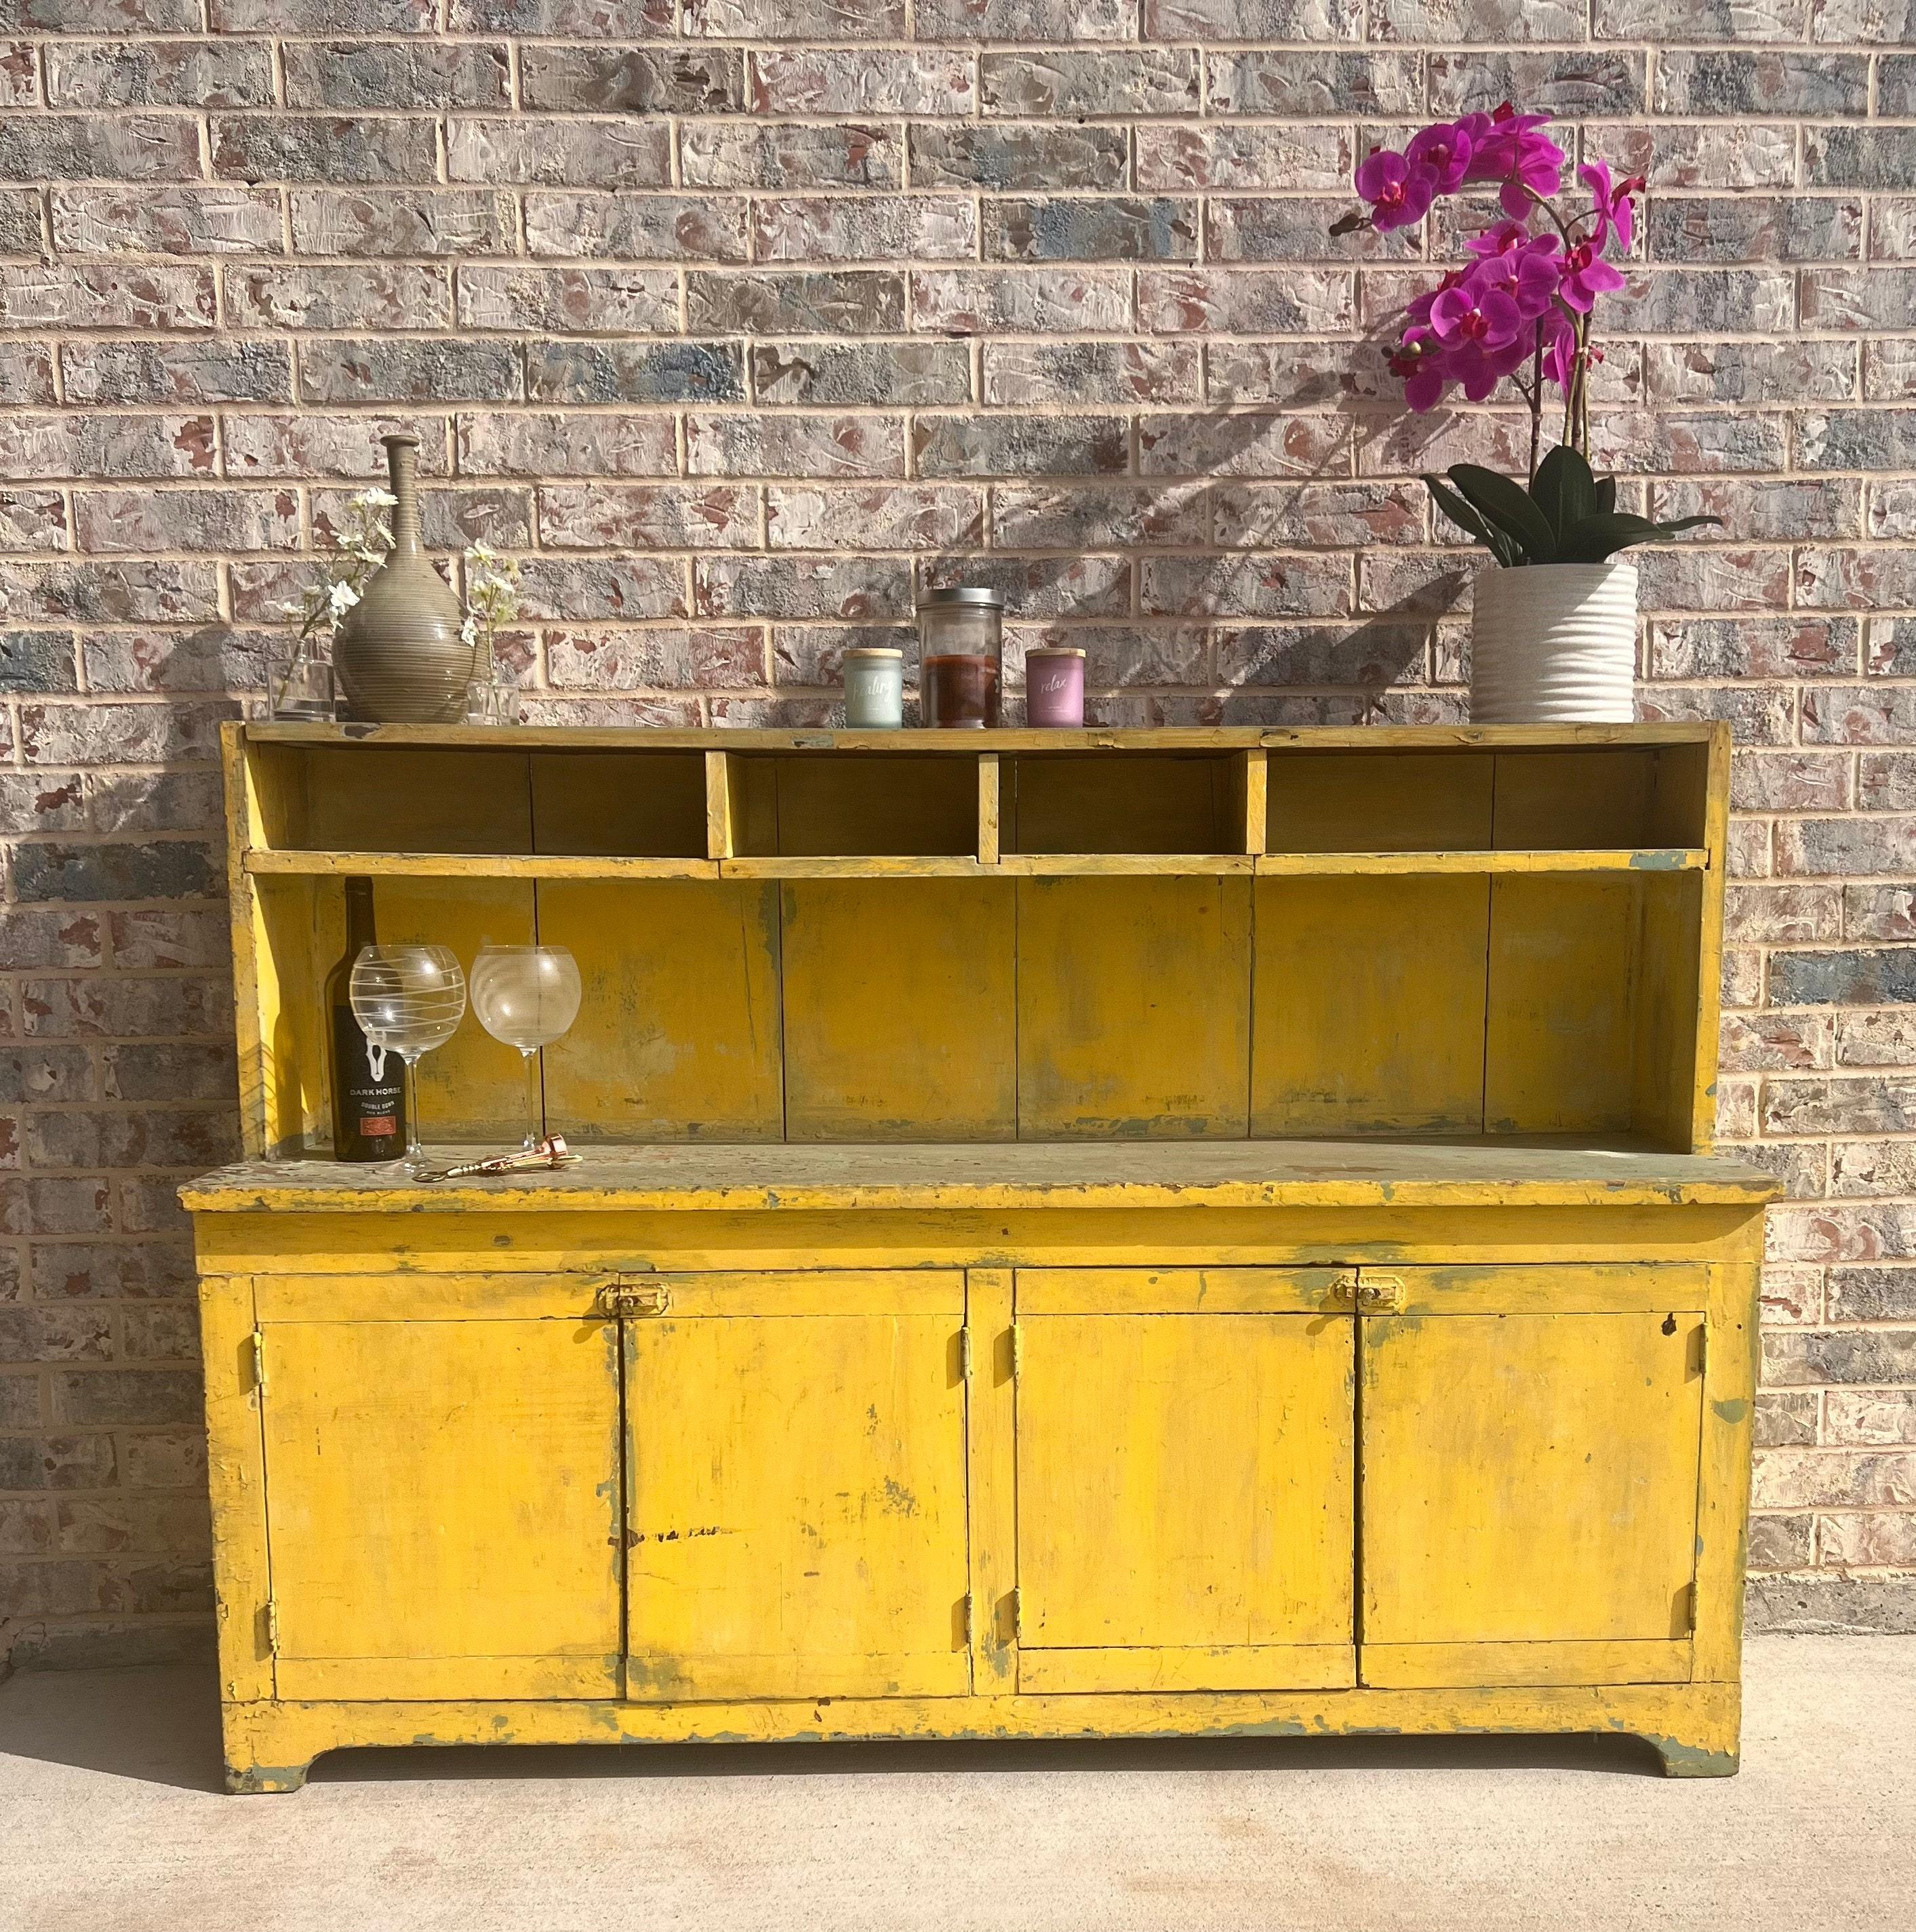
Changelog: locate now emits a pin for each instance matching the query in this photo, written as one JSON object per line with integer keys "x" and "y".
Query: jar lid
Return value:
{"x": 981, "y": 594}
{"x": 1053, "y": 651}
{"x": 873, "y": 651}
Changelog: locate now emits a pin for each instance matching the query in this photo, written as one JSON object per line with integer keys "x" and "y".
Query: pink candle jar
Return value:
{"x": 1054, "y": 686}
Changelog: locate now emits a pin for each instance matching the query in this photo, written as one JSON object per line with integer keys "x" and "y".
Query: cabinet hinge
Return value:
{"x": 272, "y": 1627}
{"x": 965, "y": 1374}
{"x": 1689, "y": 1608}
{"x": 258, "y": 1360}
{"x": 1017, "y": 1350}
{"x": 1017, "y": 1615}
{"x": 621, "y": 1298}
{"x": 970, "y": 1628}
{"x": 1702, "y": 1362}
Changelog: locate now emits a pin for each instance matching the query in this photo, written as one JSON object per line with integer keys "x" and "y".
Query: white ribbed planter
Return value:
{"x": 1554, "y": 644}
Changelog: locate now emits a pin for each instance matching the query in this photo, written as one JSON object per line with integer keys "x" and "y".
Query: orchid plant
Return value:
{"x": 1521, "y": 309}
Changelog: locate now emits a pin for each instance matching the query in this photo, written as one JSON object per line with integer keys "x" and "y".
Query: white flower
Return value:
{"x": 483, "y": 552}
{"x": 469, "y": 632}
{"x": 341, "y": 599}
{"x": 374, "y": 499}
{"x": 292, "y": 607}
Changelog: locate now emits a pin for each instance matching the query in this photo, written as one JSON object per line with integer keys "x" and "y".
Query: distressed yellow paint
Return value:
{"x": 465, "y": 865}
{"x": 637, "y": 805}
{"x": 444, "y": 1492}
{"x": 678, "y": 1033}
{"x": 991, "y": 1440}
{"x": 1569, "y": 1661}
{"x": 899, "y": 1011}
{"x": 1132, "y": 1017}
{"x": 1227, "y": 1290}
{"x": 1402, "y": 803}
{"x": 1561, "y": 996}
{"x": 1529, "y": 1478}
{"x": 1635, "y": 861}
{"x": 1282, "y": 1666}
{"x": 1184, "y": 1482}
{"x": 796, "y": 1487}
{"x": 1137, "y": 804}
{"x": 236, "y": 1483}
{"x": 1381, "y": 1030}
{"x": 1694, "y": 1729}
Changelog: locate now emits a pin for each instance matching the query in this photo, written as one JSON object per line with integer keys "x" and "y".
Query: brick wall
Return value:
{"x": 739, "y": 317}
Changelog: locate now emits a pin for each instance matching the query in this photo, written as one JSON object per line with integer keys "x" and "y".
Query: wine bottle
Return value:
{"x": 368, "y": 1109}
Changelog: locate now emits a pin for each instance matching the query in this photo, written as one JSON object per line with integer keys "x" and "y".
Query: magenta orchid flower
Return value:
{"x": 1559, "y": 349}
{"x": 1481, "y": 330}
{"x": 1614, "y": 209}
{"x": 1519, "y": 303}
{"x": 1399, "y": 193}
{"x": 1445, "y": 149}
{"x": 1474, "y": 312}
{"x": 1508, "y": 149}
{"x": 1505, "y": 239}
{"x": 1529, "y": 275}
{"x": 1418, "y": 363}
{"x": 1586, "y": 275}
{"x": 1418, "y": 308}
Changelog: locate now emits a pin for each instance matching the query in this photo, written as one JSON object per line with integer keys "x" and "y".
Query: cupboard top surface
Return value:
{"x": 1274, "y": 1174}
{"x": 1224, "y": 737}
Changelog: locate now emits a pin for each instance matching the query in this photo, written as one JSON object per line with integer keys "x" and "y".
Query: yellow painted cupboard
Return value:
{"x": 1082, "y": 1234}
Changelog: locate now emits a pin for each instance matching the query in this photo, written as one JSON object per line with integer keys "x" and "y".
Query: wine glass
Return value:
{"x": 527, "y": 997}
{"x": 408, "y": 999}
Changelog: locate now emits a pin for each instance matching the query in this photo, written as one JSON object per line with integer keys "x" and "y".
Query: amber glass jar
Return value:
{"x": 960, "y": 658}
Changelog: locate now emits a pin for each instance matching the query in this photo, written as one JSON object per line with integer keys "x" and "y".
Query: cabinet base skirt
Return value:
{"x": 1694, "y": 1728}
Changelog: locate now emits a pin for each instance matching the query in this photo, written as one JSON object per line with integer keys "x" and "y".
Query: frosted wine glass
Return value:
{"x": 408, "y": 999}
{"x": 527, "y": 997}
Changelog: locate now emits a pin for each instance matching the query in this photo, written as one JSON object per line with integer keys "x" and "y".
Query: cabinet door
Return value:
{"x": 1529, "y": 1466}
{"x": 442, "y": 1494}
{"x": 797, "y": 1487}
{"x": 1184, "y": 1474}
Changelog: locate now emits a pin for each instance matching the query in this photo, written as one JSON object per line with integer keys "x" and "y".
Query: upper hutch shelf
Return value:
{"x": 1400, "y": 933}
{"x": 458, "y": 802}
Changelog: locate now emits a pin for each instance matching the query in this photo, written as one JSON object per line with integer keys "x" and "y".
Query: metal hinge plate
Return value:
{"x": 1017, "y": 1350}
{"x": 1689, "y": 1608}
{"x": 1380, "y": 1294}
{"x": 965, "y": 1374}
{"x": 272, "y": 1627}
{"x": 623, "y": 1298}
{"x": 258, "y": 1360}
{"x": 970, "y": 1630}
{"x": 1017, "y": 1615}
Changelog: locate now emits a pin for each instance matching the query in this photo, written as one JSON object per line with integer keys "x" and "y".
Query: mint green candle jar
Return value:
{"x": 874, "y": 689}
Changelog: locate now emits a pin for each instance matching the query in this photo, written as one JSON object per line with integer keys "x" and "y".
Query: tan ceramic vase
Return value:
{"x": 399, "y": 657}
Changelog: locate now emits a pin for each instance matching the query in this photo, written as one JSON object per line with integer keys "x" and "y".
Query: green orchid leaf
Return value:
{"x": 1563, "y": 489}
{"x": 1467, "y": 520}
{"x": 1593, "y": 539}
{"x": 1508, "y": 506}
{"x": 1606, "y": 496}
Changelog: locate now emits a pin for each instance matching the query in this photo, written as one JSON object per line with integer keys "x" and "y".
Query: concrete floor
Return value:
{"x": 110, "y": 1821}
